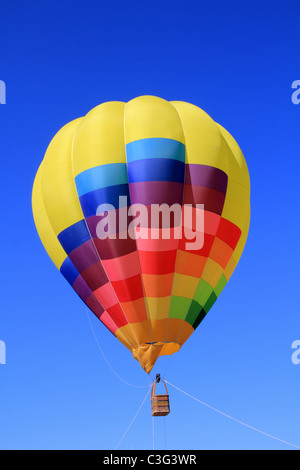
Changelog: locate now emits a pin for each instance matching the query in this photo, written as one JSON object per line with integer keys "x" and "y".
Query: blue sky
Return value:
{"x": 237, "y": 61}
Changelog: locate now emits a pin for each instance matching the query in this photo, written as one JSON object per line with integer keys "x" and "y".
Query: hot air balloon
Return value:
{"x": 100, "y": 178}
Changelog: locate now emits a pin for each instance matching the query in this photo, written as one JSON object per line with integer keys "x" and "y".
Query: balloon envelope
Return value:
{"x": 144, "y": 207}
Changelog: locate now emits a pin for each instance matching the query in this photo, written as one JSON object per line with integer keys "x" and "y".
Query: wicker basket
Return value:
{"x": 160, "y": 405}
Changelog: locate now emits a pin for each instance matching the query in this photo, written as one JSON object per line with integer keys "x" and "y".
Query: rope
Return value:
{"x": 234, "y": 419}
{"x": 106, "y": 360}
{"x": 153, "y": 431}
{"x": 133, "y": 419}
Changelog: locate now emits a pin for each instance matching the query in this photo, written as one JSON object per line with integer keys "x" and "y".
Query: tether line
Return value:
{"x": 106, "y": 360}
{"x": 133, "y": 419}
{"x": 234, "y": 419}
